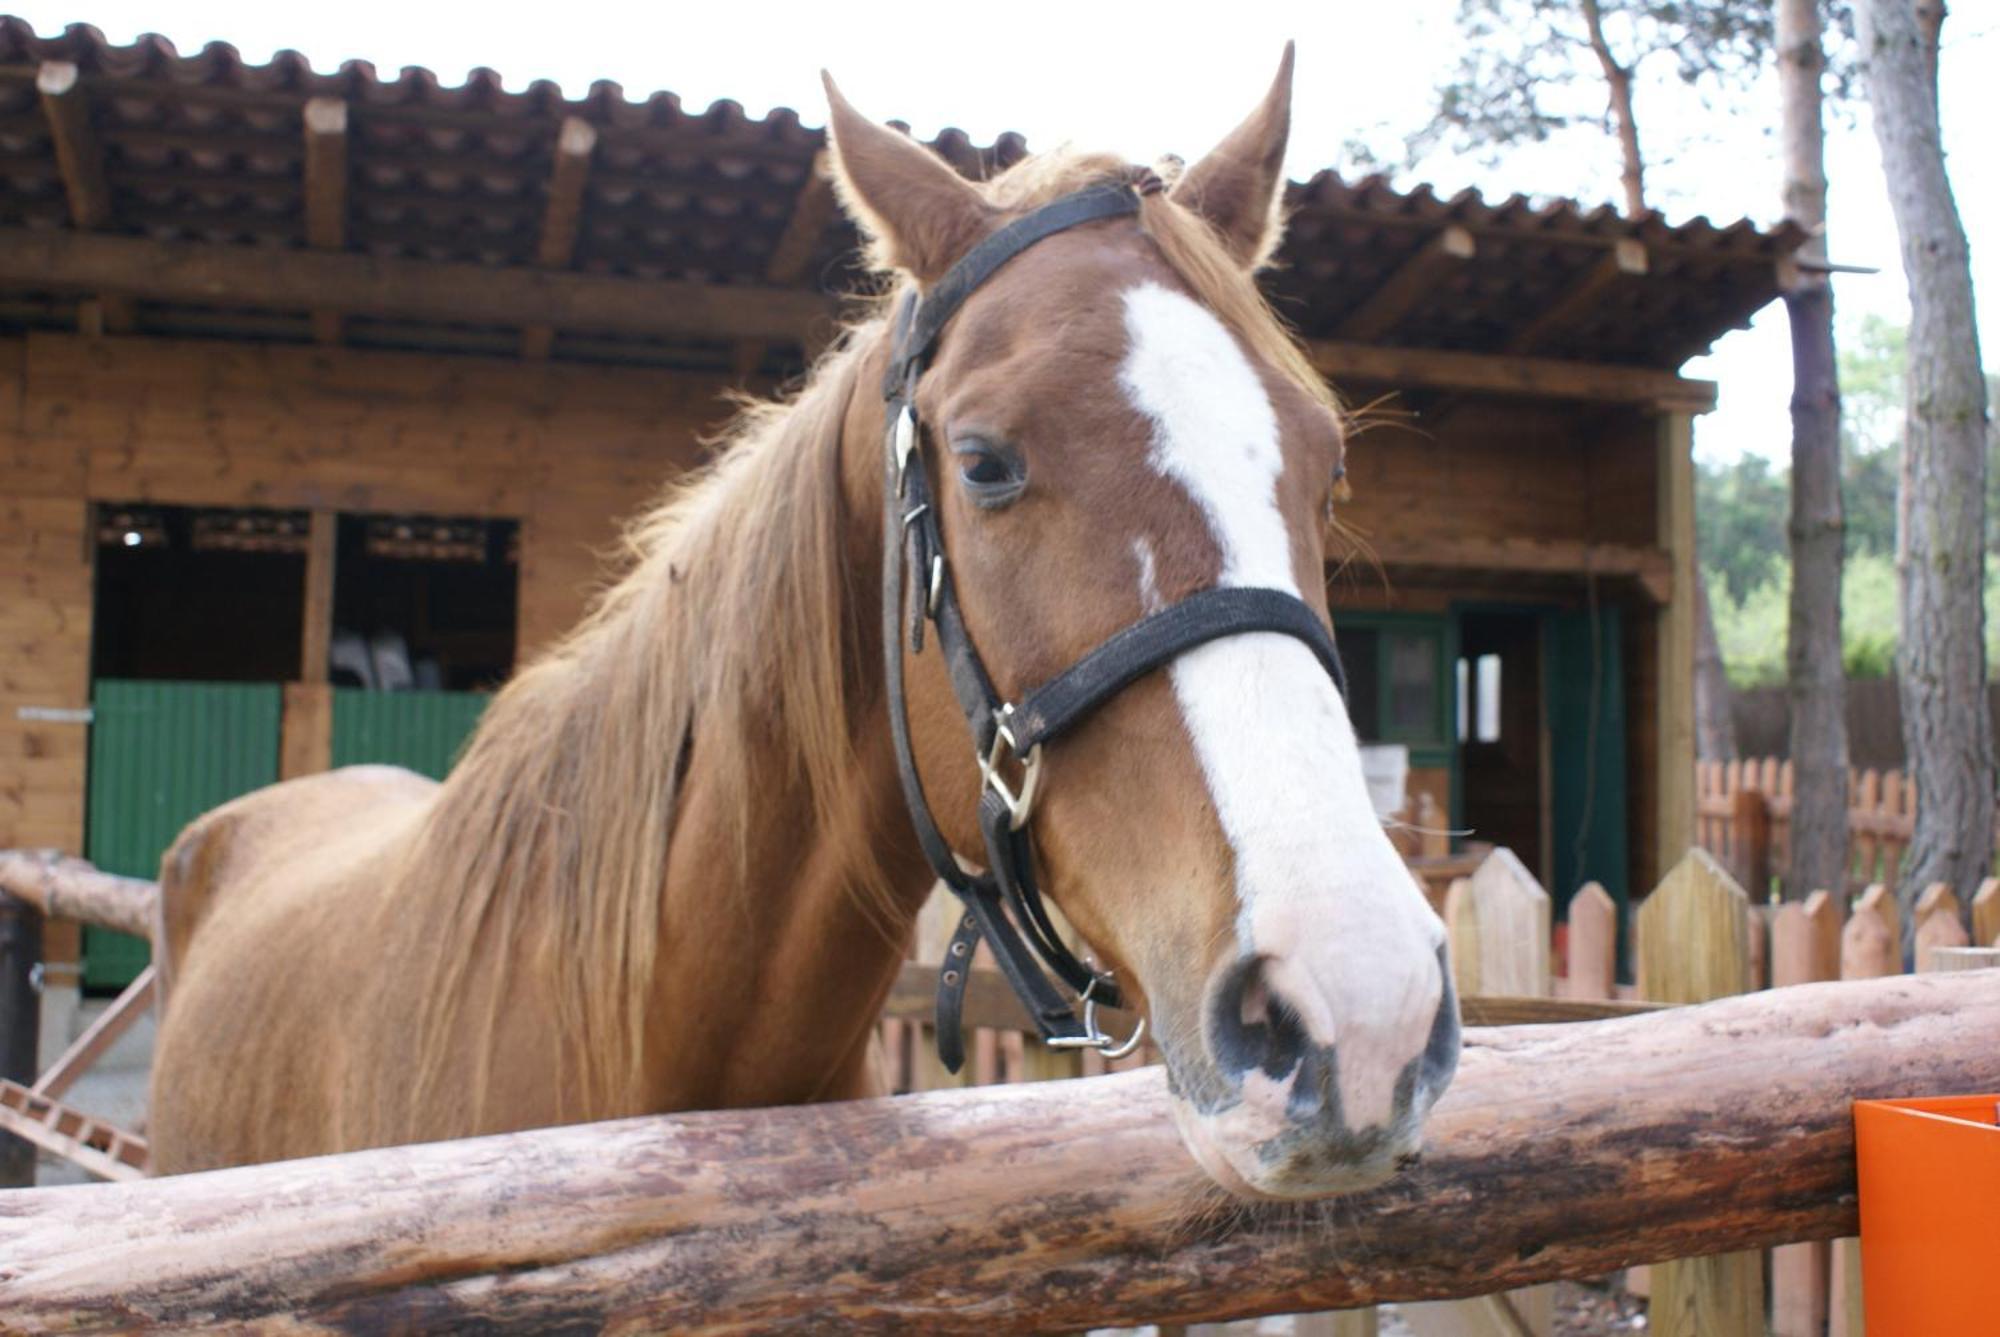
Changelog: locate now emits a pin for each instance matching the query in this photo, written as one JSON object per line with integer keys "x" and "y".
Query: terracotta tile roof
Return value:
{"x": 208, "y": 148}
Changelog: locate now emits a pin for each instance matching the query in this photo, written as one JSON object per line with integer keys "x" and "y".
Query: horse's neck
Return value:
{"x": 779, "y": 957}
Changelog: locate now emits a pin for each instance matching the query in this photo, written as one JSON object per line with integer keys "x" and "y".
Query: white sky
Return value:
{"x": 1115, "y": 76}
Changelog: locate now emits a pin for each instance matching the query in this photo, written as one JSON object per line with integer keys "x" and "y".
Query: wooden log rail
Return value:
{"x": 62, "y": 887}
{"x": 1561, "y": 1151}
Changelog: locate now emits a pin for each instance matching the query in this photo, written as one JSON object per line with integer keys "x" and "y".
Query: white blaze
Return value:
{"x": 1320, "y": 890}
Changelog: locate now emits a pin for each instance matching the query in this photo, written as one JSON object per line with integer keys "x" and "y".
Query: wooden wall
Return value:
{"x": 570, "y": 451}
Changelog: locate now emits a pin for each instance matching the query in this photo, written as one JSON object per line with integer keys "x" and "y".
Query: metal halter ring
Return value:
{"x": 1020, "y": 804}
{"x": 1094, "y": 1036}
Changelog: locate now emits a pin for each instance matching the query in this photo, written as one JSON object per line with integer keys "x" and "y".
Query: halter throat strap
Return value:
{"x": 1003, "y": 904}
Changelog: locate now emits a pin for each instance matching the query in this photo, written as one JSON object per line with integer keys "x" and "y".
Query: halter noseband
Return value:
{"x": 1004, "y": 904}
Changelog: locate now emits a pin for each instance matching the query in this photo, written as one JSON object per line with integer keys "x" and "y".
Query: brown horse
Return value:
{"x": 674, "y": 870}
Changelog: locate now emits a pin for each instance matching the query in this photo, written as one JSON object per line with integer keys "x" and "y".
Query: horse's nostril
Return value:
{"x": 1251, "y": 1027}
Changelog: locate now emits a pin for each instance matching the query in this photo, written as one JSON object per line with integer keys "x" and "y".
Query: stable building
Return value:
{"x": 321, "y": 395}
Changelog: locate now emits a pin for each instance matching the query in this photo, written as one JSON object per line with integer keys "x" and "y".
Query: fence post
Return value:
{"x": 1870, "y": 946}
{"x": 1937, "y": 923}
{"x": 1593, "y": 945}
{"x": 1694, "y": 947}
{"x": 1986, "y": 914}
{"x": 1800, "y": 954}
{"x": 1751, "y": 817}
{"x": 20, "y": 1023}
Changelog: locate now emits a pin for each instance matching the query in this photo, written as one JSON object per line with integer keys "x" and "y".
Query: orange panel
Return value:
{"x": 1930, "y": 1213}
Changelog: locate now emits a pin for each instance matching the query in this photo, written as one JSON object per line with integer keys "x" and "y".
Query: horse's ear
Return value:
{"x": 921, "y": 214}
{"x": 1237, "y": 187}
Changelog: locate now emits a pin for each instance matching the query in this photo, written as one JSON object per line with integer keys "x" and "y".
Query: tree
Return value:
{"x": 1814, "y": 678}
{"x": 1947, "y": 735}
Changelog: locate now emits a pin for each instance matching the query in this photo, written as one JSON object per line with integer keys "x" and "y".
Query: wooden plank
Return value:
{"x": 1800, "y": 955}
{"x": 1694, "y": 947}
{"x": 316, "y": 635}
{"x": 130, "y": 1005}
{"x": 325, "y": 129}
{"x": 956, "y": 1212}
{"x": 104, "y": 1151}
{"x": 562, "y": 216}
{"x": 69, "y": 888}
{"x": 1986, "y": 914}
{"x": 1539, "y": 378}
{"x": 305, "y": 745}
{"x": 1407, "y": 284}
{"x": 1498, "y": 920}
{"x": 1651, "y": 568}
{"x": 1593, "y": 946}
{"x": 1626, "y": 259}
{"x": 1674, "y": 752}
{"x": 79, "y": 157}
{"x": 399, "y": 288}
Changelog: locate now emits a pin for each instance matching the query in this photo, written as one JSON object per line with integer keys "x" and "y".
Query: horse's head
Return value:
{"x": 1115, "y": 421}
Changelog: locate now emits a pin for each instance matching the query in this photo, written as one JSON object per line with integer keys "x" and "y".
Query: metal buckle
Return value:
{"x": 903, "y": 440}
{"x": 1094, "y": 1037}
{"x": 1022, "y": 803}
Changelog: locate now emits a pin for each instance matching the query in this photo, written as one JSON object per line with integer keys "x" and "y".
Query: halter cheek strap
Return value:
{"x": 1003, "y": 905}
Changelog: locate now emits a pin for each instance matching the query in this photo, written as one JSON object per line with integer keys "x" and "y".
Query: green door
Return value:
{"x": 161, "y": 755}
{"x": 422, "y": 731}
{"x": 1585, "y": 704}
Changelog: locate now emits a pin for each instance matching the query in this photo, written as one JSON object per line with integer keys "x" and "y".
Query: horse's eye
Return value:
{"x": 993, "y": 474}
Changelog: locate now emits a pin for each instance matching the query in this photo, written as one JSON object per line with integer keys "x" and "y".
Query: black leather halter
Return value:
{"x": 1004, "y": 904}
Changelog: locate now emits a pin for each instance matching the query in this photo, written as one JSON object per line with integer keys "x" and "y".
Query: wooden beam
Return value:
{"x": 1559, "y": 1151}
{"x": 1408, "y": 284}
{"x": 78, "y": 158}
{"x": 201, "y": 273}
{"x": 80, "y": 163}
{"x": 325, "y": 127}
{"x": 1501, "y": 374}
{"x": 1625, "y": 260}
{"x": 562, "y": 218}
{"x": 113, "y": 1022}
{"x": 65, "y": 888}
{"x": 812, "y": 211}
{"x": 1652, "y": 568}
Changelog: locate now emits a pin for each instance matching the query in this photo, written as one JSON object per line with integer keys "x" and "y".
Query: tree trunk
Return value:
{"x": 1714, "y": 714}
{"x": 1815, "y": 678}
{"x": 1618, "y": 83}
{"x": 1947, "y": 736}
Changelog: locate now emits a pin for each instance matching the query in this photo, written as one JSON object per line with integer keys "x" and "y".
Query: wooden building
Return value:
{"x": 312, "y": 376}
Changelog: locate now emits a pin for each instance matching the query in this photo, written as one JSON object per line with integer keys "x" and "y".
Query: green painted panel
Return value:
{"x": 162, "y": 754}
{"x": 419, "y": 730}
{"x": 1587, "y": 757}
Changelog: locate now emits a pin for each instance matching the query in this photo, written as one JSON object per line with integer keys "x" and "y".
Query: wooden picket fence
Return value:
{"x": 1743, "y": 816}
{"x": 1698, "y": 937}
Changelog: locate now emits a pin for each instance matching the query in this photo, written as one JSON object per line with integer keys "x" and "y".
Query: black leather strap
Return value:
{"x": 1054, "y": 707}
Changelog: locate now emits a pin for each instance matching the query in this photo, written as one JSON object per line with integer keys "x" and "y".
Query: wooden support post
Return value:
{"x": 1939, "y": 923}
{"x": 1870, "y": 947}
{"x": 20, "y": 1022}
{"x": 1593, "y": 945}
{"x": 1674, "y": 722}
{"x": 562, "y": 218}
{"x": 305, "y": 744}
{"x": 1409, "y": 283}
{"x": 115, "y": 1020}
{"x": 1986, "y": 914}
{"x": 1694, "y": 947}
{"x": 316, "y": 634}
{"x": 325, "y": 127}
{"x": 1800, "y": 954}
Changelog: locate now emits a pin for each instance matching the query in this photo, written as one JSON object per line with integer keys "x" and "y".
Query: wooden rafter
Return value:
{"x": 1488, "y": 373}
{"x": 1396, "y": 296}
{"x": 1627, "y": 259}
{"x": 1651, "y": 569}
{"x": 325, "y": 128}
{"x": 812, "y": 210}
{"x": 394, "y": 287}
{"x": 562, "y": 219}
{"x": 80, "y": 162}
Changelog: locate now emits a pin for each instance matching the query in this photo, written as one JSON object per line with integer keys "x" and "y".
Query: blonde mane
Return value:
{"x": 733, "y": 617}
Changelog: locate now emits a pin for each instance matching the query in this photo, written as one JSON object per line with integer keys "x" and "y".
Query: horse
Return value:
{"x": 673, "y": 868}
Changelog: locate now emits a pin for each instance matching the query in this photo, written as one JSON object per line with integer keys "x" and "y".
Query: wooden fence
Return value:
{"x": 1743, "y": 816}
